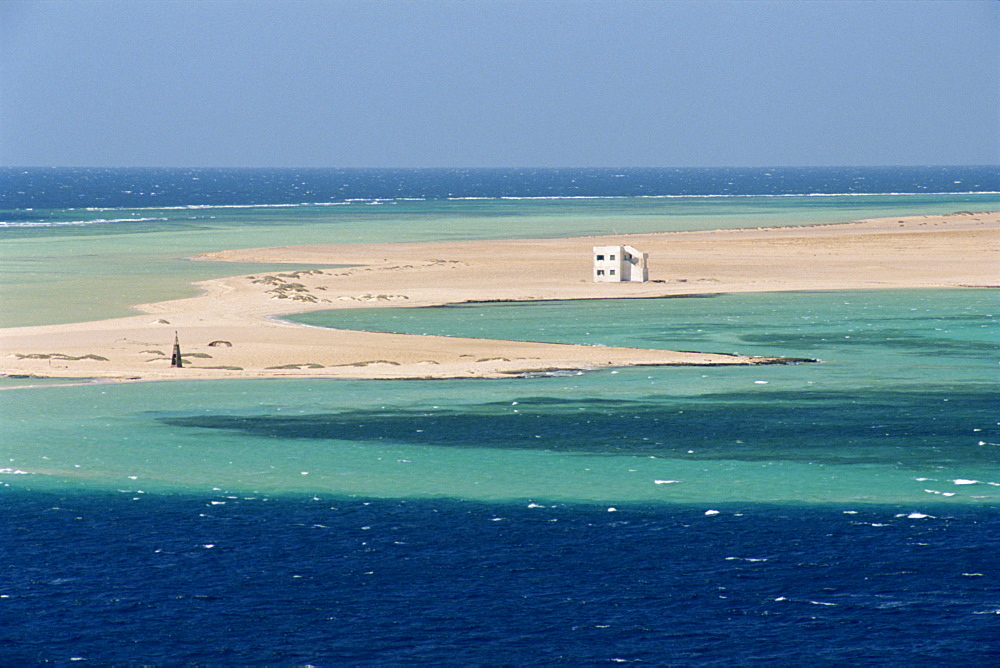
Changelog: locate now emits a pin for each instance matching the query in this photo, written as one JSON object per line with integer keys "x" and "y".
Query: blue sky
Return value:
{"x": 504, "y": 84}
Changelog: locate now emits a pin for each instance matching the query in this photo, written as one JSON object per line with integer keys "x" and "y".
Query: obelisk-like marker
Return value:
{"x": 175, "y": 359}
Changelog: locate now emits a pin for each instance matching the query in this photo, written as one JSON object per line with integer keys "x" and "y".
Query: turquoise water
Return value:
{"x": 574, "y": 439}
{"x": 64, "y": 265}
{"x": 913, "y": 334}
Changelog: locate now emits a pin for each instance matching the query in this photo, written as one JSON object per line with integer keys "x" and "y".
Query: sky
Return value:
{"x": 553, "y": 83}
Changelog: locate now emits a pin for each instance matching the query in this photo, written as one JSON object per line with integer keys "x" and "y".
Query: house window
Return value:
{"x": 600, "y": 272}
{"x": 612, "y": 257}
{"x": 612, "y": 272}
{"x": 600, "y": 257}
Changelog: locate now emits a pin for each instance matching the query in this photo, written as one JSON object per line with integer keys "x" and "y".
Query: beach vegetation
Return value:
{"x": 370, "y": 362}
{"x": 60, "y": 356}
{"x": 304, "y": 365}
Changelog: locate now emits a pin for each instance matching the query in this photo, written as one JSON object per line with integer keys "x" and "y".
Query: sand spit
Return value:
{"x": 232, "y": 330}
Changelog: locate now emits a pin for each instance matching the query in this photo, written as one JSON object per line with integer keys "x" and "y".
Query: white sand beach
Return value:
{"x": 239, "y": 315}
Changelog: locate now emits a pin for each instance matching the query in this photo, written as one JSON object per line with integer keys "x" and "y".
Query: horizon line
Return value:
{"x": 548, "y": 167}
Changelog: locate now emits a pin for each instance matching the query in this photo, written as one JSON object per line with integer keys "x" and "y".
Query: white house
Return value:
{"x": 616, "y": 264}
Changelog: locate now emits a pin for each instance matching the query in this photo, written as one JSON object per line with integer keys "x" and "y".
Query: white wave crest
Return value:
{"x": 389, "y": 200}
{"x": 75, "y": 223}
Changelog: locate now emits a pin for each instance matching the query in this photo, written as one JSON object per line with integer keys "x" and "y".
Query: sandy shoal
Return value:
{"x": 238, "y": 313}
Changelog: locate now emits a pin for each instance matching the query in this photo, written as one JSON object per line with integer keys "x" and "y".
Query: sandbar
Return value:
{"x": 233, "y": 328}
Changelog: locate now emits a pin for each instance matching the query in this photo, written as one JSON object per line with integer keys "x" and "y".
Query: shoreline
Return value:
{"x": 960, "y": 250}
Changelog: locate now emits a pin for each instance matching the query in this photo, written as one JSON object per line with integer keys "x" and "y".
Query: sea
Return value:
{"x": 843, "y": 511}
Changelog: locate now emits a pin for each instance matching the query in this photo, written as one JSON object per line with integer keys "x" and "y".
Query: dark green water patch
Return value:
{"x": 907, "y": 428}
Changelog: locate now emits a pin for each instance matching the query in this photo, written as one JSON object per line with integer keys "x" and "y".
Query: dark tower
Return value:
{"x": 175, "y": 359}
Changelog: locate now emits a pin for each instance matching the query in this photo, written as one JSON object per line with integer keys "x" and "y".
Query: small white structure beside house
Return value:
{"x": 616, "y": 264}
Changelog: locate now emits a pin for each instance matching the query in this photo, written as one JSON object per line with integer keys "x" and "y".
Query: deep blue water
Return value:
{"x": 177, "y": 580}
{"x": 61, "y": 188}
